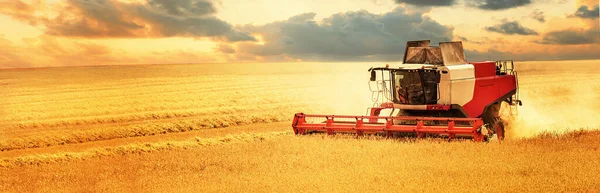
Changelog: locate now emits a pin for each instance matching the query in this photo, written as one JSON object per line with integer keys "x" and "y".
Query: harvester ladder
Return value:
{"x": 514, "y": 107}
{"x": 376, "y": 92}
{"x": 380, "y": 90}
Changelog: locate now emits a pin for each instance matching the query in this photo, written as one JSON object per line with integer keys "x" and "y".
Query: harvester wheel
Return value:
{"x": 491, "y": 116}
{"x": 500, "y": 129}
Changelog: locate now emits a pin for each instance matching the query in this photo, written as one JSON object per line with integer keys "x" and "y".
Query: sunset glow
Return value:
{"x": 39, "y": 33}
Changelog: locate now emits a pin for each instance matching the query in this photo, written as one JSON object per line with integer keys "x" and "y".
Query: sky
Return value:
{"x": 43, "y": 33}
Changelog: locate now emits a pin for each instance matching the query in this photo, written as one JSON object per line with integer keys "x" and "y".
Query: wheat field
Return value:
{"x": 227, "y": 128}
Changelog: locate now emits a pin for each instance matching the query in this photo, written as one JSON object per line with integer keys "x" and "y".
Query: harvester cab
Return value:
{"x": 435, "y": 92}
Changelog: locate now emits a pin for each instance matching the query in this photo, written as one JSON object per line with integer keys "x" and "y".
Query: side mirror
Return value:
{"x": 373, "y": 75}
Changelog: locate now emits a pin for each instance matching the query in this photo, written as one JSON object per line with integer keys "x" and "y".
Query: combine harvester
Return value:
{"x": 435, "y": 92}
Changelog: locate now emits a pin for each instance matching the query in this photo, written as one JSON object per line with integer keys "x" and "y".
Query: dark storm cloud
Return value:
{"x": 155, "y": 18}
{"x": 497, "y": 4}
{"x": 511, "y": 28}
{"x": 188, "y": 25}
{"x": 347, "y": 36}
{"x": 95, "y": 18}
{"x": 538, "y": 15}
{"x": 572, "y": 36}
{"x": 584, "y": 12}
{"x": 428, "y": 2}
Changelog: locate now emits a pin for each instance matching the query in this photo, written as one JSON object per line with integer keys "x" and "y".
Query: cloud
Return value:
{"x": 184, "y": 7}
{"x": 21, "y": 11}
{"x": 491, "y": 54}
{"x": 48, "y": 51}
{"x": 497, "y": 4}
{"x": 428, "y": 2}
{"x": 584, "y": 12}
{"x": 116, "y": 19}
{"x": 349, "y": 36}
{"x": 572, "y": 36}
{"x": 45, "y": 50}
{"x": 10, "y": 55}
{"x": 574, "y": 52}
{"x": 225, "y": 48}
{"x": 464, "y": 39}
{"x": 511, "y": 28}
{"x": 95, "y": 18}
{"x": 538, "y": 15}
{"x": 188, "y": 25}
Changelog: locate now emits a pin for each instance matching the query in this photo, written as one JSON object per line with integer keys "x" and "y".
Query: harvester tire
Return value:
{"x": 500, "y": 129}
{"x": 491, "y": 117}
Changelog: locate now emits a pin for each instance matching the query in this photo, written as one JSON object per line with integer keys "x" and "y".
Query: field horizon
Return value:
{"x": 375, "y": 63}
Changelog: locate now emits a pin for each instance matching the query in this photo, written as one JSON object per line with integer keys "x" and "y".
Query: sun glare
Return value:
{"x": 259, "y": 39}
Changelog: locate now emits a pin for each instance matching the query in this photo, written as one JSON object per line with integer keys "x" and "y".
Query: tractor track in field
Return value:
{"x": 182, "y": 140}
{"x": 144, "y": 116}
{"x": 103, "y": 132}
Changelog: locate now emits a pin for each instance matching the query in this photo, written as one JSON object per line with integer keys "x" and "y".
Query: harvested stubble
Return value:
{"x": 135, "y": 130}
{"x": 134, "y": 149}
{"x": 282, "y": 162}
{"x": 41, "y": 107}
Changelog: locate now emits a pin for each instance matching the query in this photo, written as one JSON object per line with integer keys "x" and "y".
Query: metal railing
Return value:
{"x": 381, "y": 89}
{"x": 505, "y": 67}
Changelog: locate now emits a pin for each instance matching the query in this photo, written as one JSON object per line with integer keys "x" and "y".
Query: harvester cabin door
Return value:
{"x": 444, "y": 88}
{"x": 415, "y": 87}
